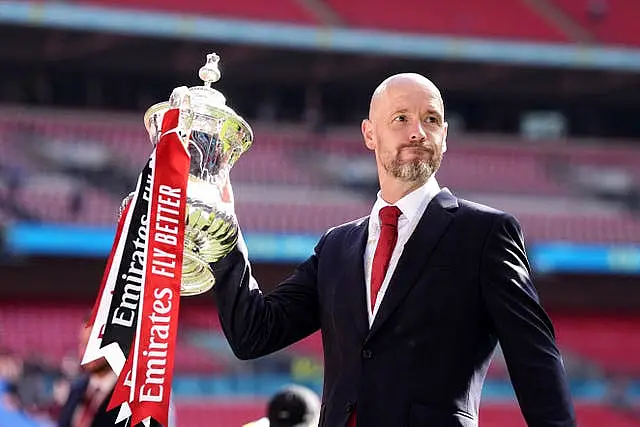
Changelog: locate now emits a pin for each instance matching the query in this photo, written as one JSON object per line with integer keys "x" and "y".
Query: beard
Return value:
{"x": 417, "y": 170}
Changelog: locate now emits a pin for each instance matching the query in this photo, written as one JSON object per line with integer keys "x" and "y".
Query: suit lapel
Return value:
{"x": 415, "y": 255}
{"x": 354, "y": 276}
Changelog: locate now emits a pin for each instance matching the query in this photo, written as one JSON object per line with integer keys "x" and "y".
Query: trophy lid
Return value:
{"x": 209, "y": 73}
{"x": 208, "y": 105}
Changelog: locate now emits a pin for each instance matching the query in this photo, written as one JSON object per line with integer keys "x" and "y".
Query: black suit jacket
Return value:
{"x": 461, "y": 285}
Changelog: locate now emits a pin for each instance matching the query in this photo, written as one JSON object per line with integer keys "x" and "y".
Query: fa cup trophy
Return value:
{"x": 217, "y": 136}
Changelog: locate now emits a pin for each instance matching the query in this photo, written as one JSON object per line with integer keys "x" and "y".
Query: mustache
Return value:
{"x": 419, "y": 146}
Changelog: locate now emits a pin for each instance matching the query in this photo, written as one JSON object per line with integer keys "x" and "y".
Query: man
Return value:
{"x": 412, "y": 300}
{"x": 86, "y": 405}
{"x": 293, "y": 406}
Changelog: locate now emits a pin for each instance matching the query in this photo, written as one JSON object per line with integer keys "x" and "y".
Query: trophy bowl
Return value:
{"x": 217, "y": 136}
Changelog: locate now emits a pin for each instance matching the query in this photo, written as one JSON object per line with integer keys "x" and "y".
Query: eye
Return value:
{"x": 432, "y": 119}
{"x": 400, "y": 118}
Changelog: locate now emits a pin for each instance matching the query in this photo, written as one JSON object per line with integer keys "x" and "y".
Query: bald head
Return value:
{"x": 407, "y": 131}
{"x": 398, "y": 83}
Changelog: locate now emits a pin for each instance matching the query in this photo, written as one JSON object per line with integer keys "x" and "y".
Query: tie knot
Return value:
{"x": 389, "y": 216}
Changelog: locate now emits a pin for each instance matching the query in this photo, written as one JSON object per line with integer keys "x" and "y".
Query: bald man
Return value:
{"x": 412, "y": 299}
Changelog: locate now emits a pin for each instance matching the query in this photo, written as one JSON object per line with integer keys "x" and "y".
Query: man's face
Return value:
{"x": 407, "y": 130}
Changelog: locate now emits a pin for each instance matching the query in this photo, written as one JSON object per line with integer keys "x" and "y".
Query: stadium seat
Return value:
{"x": 613, "y": 342}
{"x": 279, "y": 10}
{"x": 508, "y": 19}
{"x": 617, "y": 23}
{"x": 218, "y": 414}
{"x": 499, "y": 414}
{"x": 288, "y": 180}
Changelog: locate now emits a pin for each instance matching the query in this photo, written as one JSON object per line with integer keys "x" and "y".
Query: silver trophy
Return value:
{"x": 217, "y": 136}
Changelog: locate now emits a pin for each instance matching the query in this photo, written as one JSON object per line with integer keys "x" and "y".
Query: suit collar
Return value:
{"x": 432, "y": 225}
{"x": 411, "y": 205}
{"x": 446, "y": 200}
{"x": 354, "y": 266}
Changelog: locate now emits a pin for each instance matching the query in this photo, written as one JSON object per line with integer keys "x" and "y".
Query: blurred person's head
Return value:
{"x": 406, "y": 129}
{"x": 70, "y": 366}
{"x": 9, "y": 397}
{"x": 10, "y": 366}
{"x": 294, "y": 406}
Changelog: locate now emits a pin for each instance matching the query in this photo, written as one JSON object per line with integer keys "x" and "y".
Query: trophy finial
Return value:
{"x": 210, "y": 72}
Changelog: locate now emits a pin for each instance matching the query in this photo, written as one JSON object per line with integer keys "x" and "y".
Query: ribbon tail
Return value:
{"x": 123, "y": 413}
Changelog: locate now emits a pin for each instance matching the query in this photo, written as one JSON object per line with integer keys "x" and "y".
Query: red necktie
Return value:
{"x": 386, "y": 242}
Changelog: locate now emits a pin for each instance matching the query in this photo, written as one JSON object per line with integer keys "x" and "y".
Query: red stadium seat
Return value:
{"x": 617, "y": 25}
{"x": 215, "y": 413}
{"x": 310, "y": 346}
{"x": 612, "y": 342}
{"x": 492, "y": 414}
{"x": 504, "y": 19}
{"x": 501, "y": 19}
{"x": 589, "y": 415}
{"x": 278, "y": 10}
{"x": 197, "y": 316}
{"x": 289, "y": 184}
{"x": 26, "y": 328}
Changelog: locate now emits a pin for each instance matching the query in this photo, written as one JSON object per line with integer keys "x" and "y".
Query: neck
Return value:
{"x": 393, "y": 189}
{"x": 102, "y": 373}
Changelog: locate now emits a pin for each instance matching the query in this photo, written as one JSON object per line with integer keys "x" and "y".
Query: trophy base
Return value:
{"x": 210, "y": 234}
{"x": 197, "y": 277}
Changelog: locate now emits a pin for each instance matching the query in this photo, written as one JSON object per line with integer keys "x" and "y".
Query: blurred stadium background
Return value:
{"x": 542, "y": 98}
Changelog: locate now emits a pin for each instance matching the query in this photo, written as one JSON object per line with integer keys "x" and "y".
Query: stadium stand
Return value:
{"x": 308, "y": 184}
{"x": 609, "y": 341}
{"x": 611, "y": 21}
{"x": 460, "y": 18}
{"x": 26, "y": 329}
{"x": 588, "y": 414}
{"x": 231, "y": 414}
{"x": 491, "y": 415}
{"x": 294, "y": 181}
{"x": 281, "y": 10}
{"x": 612, "y": 342}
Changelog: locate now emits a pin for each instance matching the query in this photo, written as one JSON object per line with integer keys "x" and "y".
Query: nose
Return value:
{"x": 418, "y": 134}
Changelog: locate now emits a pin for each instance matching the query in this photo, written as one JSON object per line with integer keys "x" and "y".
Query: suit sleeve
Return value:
{"x": 523, "y": 328}
{"x": 256, "y": 324}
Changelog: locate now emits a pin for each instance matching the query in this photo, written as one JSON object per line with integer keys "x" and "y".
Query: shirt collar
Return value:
{"x": 412, "y": 204}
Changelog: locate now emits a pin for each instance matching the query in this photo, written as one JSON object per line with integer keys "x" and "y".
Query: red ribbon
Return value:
{"x": 145, "y": 381}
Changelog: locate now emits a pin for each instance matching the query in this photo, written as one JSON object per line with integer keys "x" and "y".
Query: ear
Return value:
{"x": 367, "y": 134}
{"x": 444, "y": 137}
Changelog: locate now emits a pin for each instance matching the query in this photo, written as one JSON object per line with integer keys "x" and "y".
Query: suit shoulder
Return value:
{"x": 474, "y": 208}
{"x": 485, "y": 219}
{"x": 341, "y": 232}
{"x": 347, "y": 226}
{"x": 479, "y": 209}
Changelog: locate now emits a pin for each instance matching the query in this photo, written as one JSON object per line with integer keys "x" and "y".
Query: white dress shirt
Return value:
{"x": 412, "y": 207}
